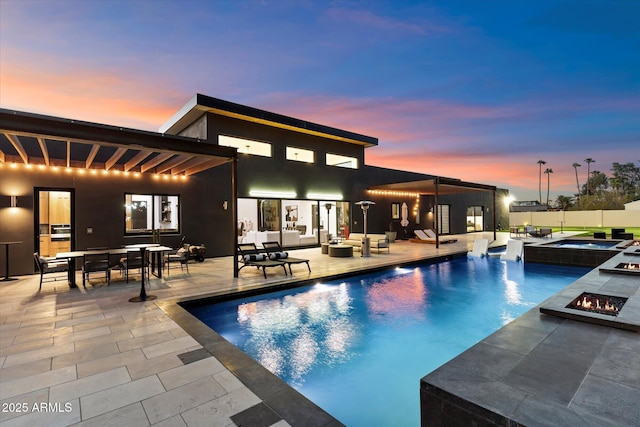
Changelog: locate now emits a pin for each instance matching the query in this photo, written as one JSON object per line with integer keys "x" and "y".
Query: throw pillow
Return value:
{"x": 255, "y": 257}
{"x": 278, "y": 255}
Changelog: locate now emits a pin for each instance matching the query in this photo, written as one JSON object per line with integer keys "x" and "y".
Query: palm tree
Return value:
{"x": 575, "y": 167}
{"x": 589, "y": 161}
{"x": 540, "y": 162}
{"x": 548, "y": 171}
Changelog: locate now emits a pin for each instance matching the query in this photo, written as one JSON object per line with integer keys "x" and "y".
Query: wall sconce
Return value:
{"x": 225, "y": 205}
{"x": 14, "y": 202}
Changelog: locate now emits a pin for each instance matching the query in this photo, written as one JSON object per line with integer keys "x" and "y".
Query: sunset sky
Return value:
{"x": 476, "y": 90}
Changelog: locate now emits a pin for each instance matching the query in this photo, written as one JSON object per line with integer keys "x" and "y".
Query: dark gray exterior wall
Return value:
{"x": 277, "y": 173}
{"x": 99, "y": 204}
{"x": 99, "y": 201}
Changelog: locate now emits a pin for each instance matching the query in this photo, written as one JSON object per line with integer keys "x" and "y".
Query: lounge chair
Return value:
{"x": 480, "y": 248}
{"x": 514, "y": 251}
{"x": 249, "y": 255}
{"x": 428, "y": 236}
{"x": 275, "y": 252}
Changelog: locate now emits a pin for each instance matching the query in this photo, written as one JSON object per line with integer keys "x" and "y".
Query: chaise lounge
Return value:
{"x": 249, "y": 255}
{"x": 429, "y": 236}
{"x": 275, "y": 252}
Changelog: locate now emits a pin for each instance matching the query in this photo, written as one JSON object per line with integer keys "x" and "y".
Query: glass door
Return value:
{"x": 54, "y": 228}
{"x": 475, "y": 219}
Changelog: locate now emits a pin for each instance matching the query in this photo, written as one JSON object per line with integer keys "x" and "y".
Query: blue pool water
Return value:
{"x": 582, "y": 244}
{"x": 358, "y": 348}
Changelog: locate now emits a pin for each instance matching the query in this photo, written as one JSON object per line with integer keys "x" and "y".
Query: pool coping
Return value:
{"x": 286, "y": 402}
{"x": 545, "y": 370}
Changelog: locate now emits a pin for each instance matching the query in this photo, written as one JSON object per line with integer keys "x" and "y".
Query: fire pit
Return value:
{"x": 631, "y": 268}
{"x": 596, "y": 303}
{"x": 628, "y": 266}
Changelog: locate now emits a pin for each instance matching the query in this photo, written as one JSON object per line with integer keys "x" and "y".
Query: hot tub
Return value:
{"x": 585, "y": 252}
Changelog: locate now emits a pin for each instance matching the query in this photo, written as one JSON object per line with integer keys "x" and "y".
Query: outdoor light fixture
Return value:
{"x": 324, "y": 196}
{"x": 273, "y": 194}
{"x": 366, "y": 248}
{"x": 14, "y": 201}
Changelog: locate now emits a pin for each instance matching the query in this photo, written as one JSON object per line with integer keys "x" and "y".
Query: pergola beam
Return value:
{"x": 115, "y": 157}
{"x": 18, "y": 146}
{"x": 91, "y": 156}
{"x": 43, "y": 148}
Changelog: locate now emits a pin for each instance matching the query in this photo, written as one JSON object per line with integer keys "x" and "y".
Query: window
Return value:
{"x": 474, "y": 219}
{"x": 246, "y": 146}
{"x": 300, "y": 155}
{"x": 342, "y": 161}
{"x": 443, "y": 219}
{"x": 146, "y": 212}
{"x": 395, "y": 210}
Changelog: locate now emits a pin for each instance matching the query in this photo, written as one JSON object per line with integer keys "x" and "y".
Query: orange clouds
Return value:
{"x": 102, "y": 96}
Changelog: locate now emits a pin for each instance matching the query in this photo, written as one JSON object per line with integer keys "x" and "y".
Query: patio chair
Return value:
{"x": 49, "y": 266}
{"x": 249, "y": 255}
{"x": 134, "y": 261}
{"x": 275, "y": 252}
{"x": 480, "y": 248}
{"x": 97, "y": 262}
{"x": 179, "y": 259}
{"x": 514, "y": 251}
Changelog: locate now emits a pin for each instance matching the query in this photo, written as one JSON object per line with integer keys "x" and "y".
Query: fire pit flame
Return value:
{"x": 598, "y": 304}
{"x": 587, "y": 304}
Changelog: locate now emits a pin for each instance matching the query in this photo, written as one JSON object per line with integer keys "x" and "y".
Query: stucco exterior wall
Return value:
{"x": 596, "y": 218}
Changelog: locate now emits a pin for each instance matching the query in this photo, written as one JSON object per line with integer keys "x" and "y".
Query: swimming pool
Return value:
{"x": 359, "y": 347}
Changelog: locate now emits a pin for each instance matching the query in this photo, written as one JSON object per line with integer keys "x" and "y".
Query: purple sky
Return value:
{"x": 477, "y": 90}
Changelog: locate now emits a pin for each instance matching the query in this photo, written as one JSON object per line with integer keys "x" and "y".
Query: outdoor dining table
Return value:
{"x": 154, "y": 248}
{"x": 6, "y": 257}
{"x": 71, "y": 256}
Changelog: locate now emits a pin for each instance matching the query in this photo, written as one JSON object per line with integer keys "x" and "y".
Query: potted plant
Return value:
{"x": 391, "y": 234}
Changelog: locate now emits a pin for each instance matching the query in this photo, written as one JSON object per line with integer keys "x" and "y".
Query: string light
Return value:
{"x": 394, "y": 193}
{"x": 92, "y": 171}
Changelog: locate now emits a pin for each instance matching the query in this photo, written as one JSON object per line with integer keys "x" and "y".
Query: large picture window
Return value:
{"x": 246, "y": 146}
{"x": 144, "y": 213}
{"x": 341, "y": 161}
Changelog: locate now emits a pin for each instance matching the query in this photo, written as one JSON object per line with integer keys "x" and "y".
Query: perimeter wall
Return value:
{"x": 598, "y": 218}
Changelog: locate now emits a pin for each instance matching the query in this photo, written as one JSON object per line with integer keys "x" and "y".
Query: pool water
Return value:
{"x": 358, "y": 348}
{"x": 581, "y": 244}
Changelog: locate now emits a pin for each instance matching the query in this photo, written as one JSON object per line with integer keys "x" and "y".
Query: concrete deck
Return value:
{"x": 90, "y": 357}
{"x": 543, "y": 370}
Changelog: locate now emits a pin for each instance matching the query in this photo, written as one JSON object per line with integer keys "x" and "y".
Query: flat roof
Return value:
{"x": 53, "y": 141}
{"x": 201, "y": 104}
{"x": 441, "y": 185}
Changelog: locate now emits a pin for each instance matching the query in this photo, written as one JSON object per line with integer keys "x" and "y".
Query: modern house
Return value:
{"x": 217, "y": 173}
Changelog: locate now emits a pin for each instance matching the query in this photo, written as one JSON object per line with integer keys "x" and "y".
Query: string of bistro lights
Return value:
{"x": 95, "y": 172}
{"x": 416, "y": 207}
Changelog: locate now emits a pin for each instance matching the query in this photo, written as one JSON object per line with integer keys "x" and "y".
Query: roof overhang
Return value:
{"x": 440, "y": 185}
{"x": 201, "y": 104}
{"x": 34, "y": 139}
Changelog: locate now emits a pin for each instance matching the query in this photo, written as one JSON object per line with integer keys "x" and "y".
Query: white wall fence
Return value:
{"x": 599, "y": 218}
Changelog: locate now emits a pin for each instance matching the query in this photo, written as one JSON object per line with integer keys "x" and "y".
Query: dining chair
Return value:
{"x": 97, "y": 262}
{"x": 134, "y": 261}
{"x": 50, "y": 266}
{"x": 179, "y": 259}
